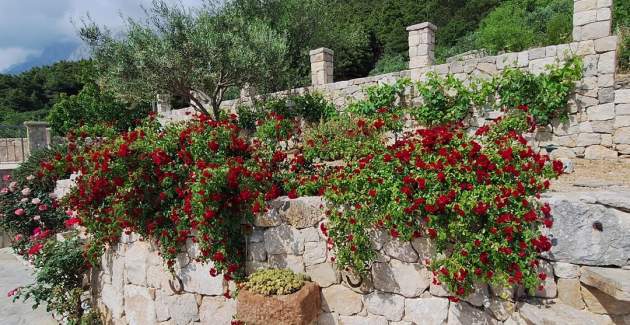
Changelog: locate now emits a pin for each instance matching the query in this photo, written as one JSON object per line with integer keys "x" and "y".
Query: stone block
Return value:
{"x": 584, "y": 5}
{"x": 622, "y": 109}
{"x": 284, "y": 239}
{"x": 324, "y": 274}
{"x": 584, "y": 17}
{"x": 606, "y": 95}
{"x": 139, "y": 305}
{"x": 606, "y": 44}
{"x": 301, "y": 307}
{"x": 537, "y": 53}
{"x": 341, "y": 300}
{"x": 607, "y": 62}
{"x": 314, "y": 253}
{"x": 599, "y": 302}
{"x": 501, "y": 309}
{"x": 569, "y": 293}
{"x": 577, "y": 241}
{"x": 622, "y": 136}
{"x": 136, "y": 262}
{"x": 464, "y": 314}
{"x": 559, "y": 314}
{"x": 362, "y": 320}
{"x": 587, "y": 139}
{"x": 604, "y": 3}
{"x": 614, "y": 282}
{"x": 407, "y": 279}
{"x": 400, "y": 250}
{"x": 113, "y": 299}
{"x": 522, "y": 59}
{"x": 604, "y": 14}
{"x": 385, "y": 304}
{"x": 549, "y": 289}
{"x": 601, "y": 112}
{"x": 429, "y": 311}
{"x": 539, "y": 66}
{"x": 565, "y": 270}
{"x": 622, "y": 121}
{"x": 302, "y": 212}
{"x": 622, "y": 96}
{"x": 605, "y": 80}
{"x": 196, "y": 279}
{"x": 294, "y": 263}
{"x": 256, "y": 252}
{"x": 184, "y": 309}
{"x": 217, "y": 310}
{"x": 595, "y": 30}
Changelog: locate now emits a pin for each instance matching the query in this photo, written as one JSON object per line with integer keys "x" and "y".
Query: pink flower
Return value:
{"x": 30, "y": 177}
{"x": 42, "y": 207}
{"x": 36, "y": 218}
{"x": 36, "y": 200}
{"x": 6, "y": 178}
{"x": 12, "y": 292}
{"x": 19, "y": 212}
{"x": 26, "y": 191}
{"x": 4, "y": 190}
{"x": 18, "y": 237}
{"x": 12, "y": 186}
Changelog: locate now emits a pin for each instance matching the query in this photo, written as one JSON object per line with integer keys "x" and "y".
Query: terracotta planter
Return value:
{"x": 298, "y": 308}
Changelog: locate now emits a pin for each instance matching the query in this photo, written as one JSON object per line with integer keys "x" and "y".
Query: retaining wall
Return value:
{"x": 588, "y": 283}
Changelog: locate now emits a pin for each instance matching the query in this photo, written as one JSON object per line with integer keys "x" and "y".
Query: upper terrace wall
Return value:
{"x": 599, "y": 119}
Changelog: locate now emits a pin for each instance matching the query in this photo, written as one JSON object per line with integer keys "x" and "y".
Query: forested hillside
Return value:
{"x": 368, "y": 37}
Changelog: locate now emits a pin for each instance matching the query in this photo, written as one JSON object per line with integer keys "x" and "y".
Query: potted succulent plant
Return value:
{"x": 277, "y": 296}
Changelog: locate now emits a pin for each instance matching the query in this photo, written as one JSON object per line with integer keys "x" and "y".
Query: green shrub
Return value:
{"x": 271, "y": 282}
{"x": 445, "y": 100}
{"x": 379, "y": 97}
{"x": 30, "y": 172}
{"x": 390, "y": 63}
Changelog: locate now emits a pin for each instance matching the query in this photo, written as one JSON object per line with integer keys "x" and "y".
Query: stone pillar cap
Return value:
{"x": 321, "y": 50}
{"x": 35, "y": 123}
{"x": 421, "y": 26}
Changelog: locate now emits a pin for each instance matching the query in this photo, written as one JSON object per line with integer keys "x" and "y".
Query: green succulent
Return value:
{"x": 270, "y": 282}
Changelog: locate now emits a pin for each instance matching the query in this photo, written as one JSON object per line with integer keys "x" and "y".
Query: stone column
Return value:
{"x": 321, "y": 66}
{"x": 163, "y": 103}
{"x": 37, "y": 135}
{"x": 421, "y": 45}
{"x": 592, "y": 19}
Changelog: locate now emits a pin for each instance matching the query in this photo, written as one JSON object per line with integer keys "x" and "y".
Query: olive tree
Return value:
{"x": 196, "y": 54}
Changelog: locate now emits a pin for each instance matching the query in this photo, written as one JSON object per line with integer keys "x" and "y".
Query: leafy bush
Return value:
{"x": 271, "y": 282}
{"x": 380, "y": 96}
{"x": 445, "y": 100}
{"x": 390, "y": 63}
{"x": 31, "y": 172}
{"x": 60, "y": 268}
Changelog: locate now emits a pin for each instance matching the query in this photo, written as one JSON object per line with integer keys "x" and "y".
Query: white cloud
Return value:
{"x": 14, "y": 55}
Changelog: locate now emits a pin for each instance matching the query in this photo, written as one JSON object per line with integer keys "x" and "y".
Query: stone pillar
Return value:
{"x": 321, "y": 66}
{"x": 37, "y": 135}
{"x": 592, "y": 19}
{"x": 247, "y": 91}
{"x": 421, "y": 45}
{"x": 163, "y": 103}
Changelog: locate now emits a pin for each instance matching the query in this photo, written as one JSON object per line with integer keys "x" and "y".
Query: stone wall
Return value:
{"x": 582, "y": 288}
{"x": 599, "y": 120}
{"x": 13, "y": 149}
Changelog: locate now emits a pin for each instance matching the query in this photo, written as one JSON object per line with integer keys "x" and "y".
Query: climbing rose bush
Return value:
{"x": 197, "y": 181}
{"x": 474, "y": 197}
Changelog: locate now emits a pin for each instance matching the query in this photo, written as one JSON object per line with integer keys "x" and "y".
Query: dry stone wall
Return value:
{"x": 588, "y": 283}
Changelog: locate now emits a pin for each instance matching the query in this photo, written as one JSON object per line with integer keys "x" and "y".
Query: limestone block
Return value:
{"x": 341, "y": 300}
{"x": 607, "y": 62}
{"x": 401, "y": 250}
{"x": 622, "y": 96}
{"x": 604, "y": 3}
{"x": 256, "y": 252}
{"x": 294, "y": 263}
{"x": 430, "y": 311}
{"x": 257, "y": 235}
{"x": 303, "y": 212}
{"x": 361, "y": 320}
{"x": 501, "y": 309}
{"x": 595, "y": 30}
{"x": 606, "y": 95}
{"x": 551, "y": 50}
{"x": 622, "y": 121}
{"x": 598, "y": 152}
{"x": 385, "y": 304}
{"x": 549, "y": 289}
{"x": 537, "y": 53}
{"x": 136, "y": 262}
{"x": 217, "y": 310}
{"x": 113, "y": 299}
{"x": 584, "y": 17}
{"x": 575, "y": 239}
{"x": 604, "y": 14}
{"x": 328, "y": 319}
{"x": 464, "y": 314}
{"x": 613, "y": 281}
{"x": 599, "y": 302}
{"x": 424, "y": 247}
{"x": 407, "y": 279}
{"x": 569, "y": 293}
{"x": 522, "y": 59}
{"x": 139, "y": 305}
{"x": 601, "y": 112}
{"x": 284, "y": 239}
{"x": 312, "y": 234}
{"x": 584, "y": 5}
{"x": 183, "y": 309}
{"x": 622, "y": 136}
{"x": 314, "y": 253}
{"x": 196, "y": 279}
{"x": 559, "y": 314}
{"x": 507, "y": 60}
{"x": 606, "y": 44}
{"x": 587, "y": 139}
{"x": 158, "y": 276}
{"x": 605, "y": 80}
{"x": 565, "y": 270}
{"x": 623, "y": 149}
{"x": 324, "y": 274}
{"x": 539, "y": 66}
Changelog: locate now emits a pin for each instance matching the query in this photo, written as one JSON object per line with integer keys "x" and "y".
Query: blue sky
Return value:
{"x": 29, "y": 26}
